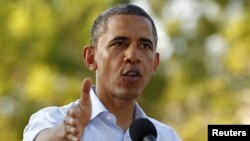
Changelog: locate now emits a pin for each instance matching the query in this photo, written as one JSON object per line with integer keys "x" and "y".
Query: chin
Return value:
{"x": 129, "y": 95}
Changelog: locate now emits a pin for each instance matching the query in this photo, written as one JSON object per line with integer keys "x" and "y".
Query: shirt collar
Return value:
{"x": 96, "y": 104}
{"x": 98, "y": 107}
{"x": 138, "y": 112}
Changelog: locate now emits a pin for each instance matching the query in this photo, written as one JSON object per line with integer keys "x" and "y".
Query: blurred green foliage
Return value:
{"x": 41, "y": 64}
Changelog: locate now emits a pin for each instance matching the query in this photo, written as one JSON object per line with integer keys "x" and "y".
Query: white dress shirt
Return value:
{"x": 101, "y": 127}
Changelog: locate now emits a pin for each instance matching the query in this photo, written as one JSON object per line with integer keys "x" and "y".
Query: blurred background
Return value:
{"x": 203, "y": 77}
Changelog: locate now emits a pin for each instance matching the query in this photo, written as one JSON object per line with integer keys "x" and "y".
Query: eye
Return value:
{"x": 120, "y": 44}
{"x": 145, "y": 45}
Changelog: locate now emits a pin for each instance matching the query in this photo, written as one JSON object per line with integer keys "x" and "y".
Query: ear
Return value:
{"x": 156, "y": 62}
{"x": 88, "y": 56}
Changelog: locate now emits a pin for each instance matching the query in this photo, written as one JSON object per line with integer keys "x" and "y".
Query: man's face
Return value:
{"x": 125, "y": 56}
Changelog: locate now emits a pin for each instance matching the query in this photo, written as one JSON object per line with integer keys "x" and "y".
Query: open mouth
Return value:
{"x": 132, "y": 73}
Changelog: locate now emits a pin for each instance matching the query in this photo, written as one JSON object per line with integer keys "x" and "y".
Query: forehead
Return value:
{"x": 129, "y": 25}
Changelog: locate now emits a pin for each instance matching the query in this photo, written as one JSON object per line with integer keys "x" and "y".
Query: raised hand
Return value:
{"x": 78, "y": 116}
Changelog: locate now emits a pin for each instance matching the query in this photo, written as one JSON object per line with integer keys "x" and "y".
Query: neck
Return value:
{"x": 124, "y": 112}
{"x": 122, "y": 109}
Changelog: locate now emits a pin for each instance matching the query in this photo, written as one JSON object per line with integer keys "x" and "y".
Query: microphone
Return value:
{"x": 142, "y": 129}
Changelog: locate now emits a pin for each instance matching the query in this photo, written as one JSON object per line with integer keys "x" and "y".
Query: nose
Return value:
{"x": 132, "y": 55}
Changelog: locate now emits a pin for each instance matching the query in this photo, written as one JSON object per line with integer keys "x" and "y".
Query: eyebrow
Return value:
{"x": 126, "y": 38}
{"x": 146, "y": 40}
{"x": 119, "y": 38}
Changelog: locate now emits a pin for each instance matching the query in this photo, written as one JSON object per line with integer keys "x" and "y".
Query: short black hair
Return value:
{"x": 99, "y": 26}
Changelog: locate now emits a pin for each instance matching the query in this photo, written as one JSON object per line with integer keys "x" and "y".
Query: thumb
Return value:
{"x": 86, "y": 86}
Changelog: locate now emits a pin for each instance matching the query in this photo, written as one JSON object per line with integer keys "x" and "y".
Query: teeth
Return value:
{"x": 132, "y": 73}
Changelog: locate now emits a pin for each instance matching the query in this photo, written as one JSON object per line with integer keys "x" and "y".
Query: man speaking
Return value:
{"x": 122, "y": 53}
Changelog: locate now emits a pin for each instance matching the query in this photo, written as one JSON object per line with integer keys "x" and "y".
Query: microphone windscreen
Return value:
{"x": 140, "y": 128}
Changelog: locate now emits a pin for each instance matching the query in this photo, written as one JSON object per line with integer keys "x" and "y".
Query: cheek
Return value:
{"x": 105, "y": 65}
{"x": 154, "y": 62}
{"x": 100, "y": 58}
{"x": 149, "y": 67}
{"x": 149, "y": 61}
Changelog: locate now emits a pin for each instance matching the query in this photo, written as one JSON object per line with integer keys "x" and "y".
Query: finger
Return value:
{"x": 72, "y": 113}
{"x": 85, "y": 98}
{"x": 71, "y": 137}
{"x": 69, "y": 129}
{"x": 69, "y": 120}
